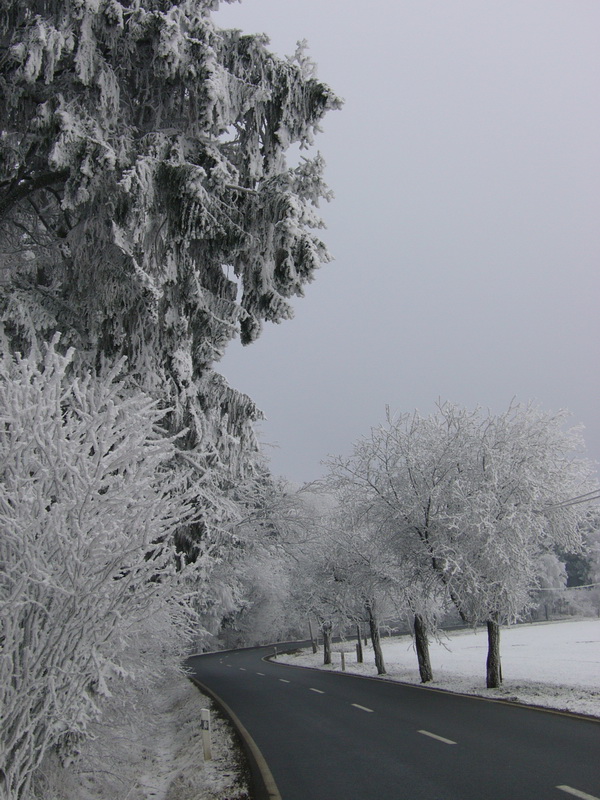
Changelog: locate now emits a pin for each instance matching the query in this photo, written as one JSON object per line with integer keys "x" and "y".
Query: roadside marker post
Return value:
{"x": 206, "y": 733}
{"x": 343, "y": 661}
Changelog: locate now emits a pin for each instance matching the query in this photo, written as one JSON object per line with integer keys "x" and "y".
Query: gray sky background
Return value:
{"x": 465, "y": 229}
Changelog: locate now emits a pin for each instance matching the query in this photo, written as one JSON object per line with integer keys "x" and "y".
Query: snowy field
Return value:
{"x": 552, "y": 664}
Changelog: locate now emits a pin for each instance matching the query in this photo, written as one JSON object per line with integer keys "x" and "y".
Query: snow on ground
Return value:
{"x": 148, "y": 743}
{"x": 148, "y": 746}
{"x": 552, "y": 664}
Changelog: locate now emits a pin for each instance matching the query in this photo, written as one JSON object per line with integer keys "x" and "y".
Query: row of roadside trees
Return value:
{"x": 458, "y": 510}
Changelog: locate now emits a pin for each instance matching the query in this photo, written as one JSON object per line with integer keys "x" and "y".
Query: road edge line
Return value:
{"x": 386, "y": 679}
{"x": 304, "y": 642}
{"x": 265, "y": 787}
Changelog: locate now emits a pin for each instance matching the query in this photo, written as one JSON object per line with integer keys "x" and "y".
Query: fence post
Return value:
{"x": 343, "y": 661}
{"x": 206, "y": 733}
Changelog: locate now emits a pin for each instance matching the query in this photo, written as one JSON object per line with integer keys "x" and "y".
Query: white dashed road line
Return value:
{"x": 563, "y": 788}
{"x": 577, "y": 793}
{"x": 435, "y": 736}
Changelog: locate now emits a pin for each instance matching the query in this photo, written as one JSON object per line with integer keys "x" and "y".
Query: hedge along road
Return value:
{"x": 329, "y": 736}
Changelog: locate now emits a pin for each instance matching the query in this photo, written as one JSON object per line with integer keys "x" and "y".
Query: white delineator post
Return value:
{"x": 206, "y": 733}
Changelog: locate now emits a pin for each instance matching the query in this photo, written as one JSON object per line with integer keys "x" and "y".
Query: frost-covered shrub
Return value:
{"x": 89, "y": 500}
{"x": 148, "y": 744}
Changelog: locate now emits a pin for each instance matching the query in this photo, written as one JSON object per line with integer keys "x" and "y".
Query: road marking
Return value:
{"x": 363, "y": 708}
{"x": 243, "y": 669}
{"x": 227, "y": 665}
{"x": 577, "y": 793}
{"x": 283, "y": 680}
{"x": 267, "y": 776}
{"x": 261, "y": 673}
{"x": 435, "y": 736}
{"x": 318, "y": 691}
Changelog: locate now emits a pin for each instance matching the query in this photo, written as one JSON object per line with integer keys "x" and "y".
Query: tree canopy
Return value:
{"x": 471, "y": 501}
{"x": 148, "y": 216}
{"x": 146, "y": 206}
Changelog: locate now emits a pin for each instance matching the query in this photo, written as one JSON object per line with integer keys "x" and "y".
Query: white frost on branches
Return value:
{"x": 89, "y": 500}
{"x": 469, "y": 502}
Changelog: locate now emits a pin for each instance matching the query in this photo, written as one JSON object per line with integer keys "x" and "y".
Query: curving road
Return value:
{"x": 327, "y": 736}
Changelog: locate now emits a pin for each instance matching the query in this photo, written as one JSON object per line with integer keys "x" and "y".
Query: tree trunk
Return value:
{"x": 374, "y": 628}
{"x": 326, "y": 629}
{"x": 422, "y": 645}
{"x": 312, "y": 638}
{"x": 359, "y": 649}
{"x": 493, "y": 668}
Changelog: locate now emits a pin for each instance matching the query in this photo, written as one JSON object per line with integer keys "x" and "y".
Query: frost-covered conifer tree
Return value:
{"x": 146, "y": 211}
{"x": 146, "y": 207}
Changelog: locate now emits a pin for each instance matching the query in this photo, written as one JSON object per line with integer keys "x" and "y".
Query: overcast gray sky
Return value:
{"x": 465, "y": 228}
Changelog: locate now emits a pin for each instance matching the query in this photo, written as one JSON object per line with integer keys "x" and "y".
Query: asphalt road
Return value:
{"x": 328, "y": 736}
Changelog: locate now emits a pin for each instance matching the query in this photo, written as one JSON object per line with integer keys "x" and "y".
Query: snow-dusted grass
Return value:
{"x": 552, "y": 664}
{"x": 148, "y": 746}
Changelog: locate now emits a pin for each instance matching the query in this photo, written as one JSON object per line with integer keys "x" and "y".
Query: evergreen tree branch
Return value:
{"x": 30, "y": 185}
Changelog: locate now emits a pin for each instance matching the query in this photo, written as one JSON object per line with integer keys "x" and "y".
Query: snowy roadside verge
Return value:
{"x": 551, "y": 664}
{"x": 148, "y": 746}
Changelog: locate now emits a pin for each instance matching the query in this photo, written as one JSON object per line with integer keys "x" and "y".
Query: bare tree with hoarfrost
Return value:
{"x": 398, "y": 478}
{"x": 551, "y": 581}
{"x": 278, "y": 524}
{"x": 320, "y": 587}
{"x": 90, "y": 496}
{"x": 343, "y": 575}
{"x": 513, "y": 503}
{"x": 374, "y": 578}
{"x": 473, "y": 499}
